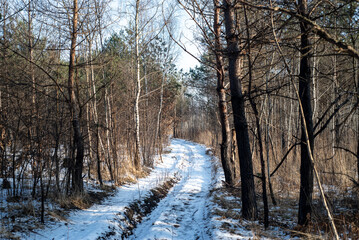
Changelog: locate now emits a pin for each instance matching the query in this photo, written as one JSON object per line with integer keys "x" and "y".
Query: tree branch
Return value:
{"x": 315, "y": 27}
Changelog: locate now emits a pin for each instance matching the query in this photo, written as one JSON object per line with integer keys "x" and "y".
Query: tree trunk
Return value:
{"x": 98, "y": 156}
{"x": 89, "y": 137}
{"x": 306, "y": 168}
{"x": 3, "y": 151}
{"x": 267, "y": 137}
{"x": 315, "y": 81}
{"x": 249, "y": 205}
{"x": 137, "y": 160}
{"x": 42, "y": 215}
{"x": 358, "y": 148}
{"x": 57, "y": 145}
{"x": 158, "y": 139}
{"x": 33, "y": 138}
{"x": 77, "y": 181}
{"x": 96, "y": 118}
{"x": 56, "y": 160}
{"x": 107, "y": 108}
{"x": 356, "y": 81}
{"x": 263, "y": 172}
{"x": 259, "y": 130}
{"x": 335, "y": 130}
{"x": 356, "y": 77}
{"x": 226, "y": 145}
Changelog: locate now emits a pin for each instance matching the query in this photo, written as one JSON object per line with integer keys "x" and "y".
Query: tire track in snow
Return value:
{"x": 184, "y": 213}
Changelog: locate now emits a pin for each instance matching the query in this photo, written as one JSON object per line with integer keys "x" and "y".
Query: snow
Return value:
{"x": 182, "y": 214}
{"x": 189, "y": 211}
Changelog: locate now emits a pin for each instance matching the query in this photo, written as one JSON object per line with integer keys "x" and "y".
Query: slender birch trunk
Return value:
{"x": 88, "y": 118}
{"x": 95, "y": 116}
{"x": 137, "y": 159}
{"x": 158, "y": 125}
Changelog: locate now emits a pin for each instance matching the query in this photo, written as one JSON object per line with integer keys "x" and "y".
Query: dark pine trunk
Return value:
{"x": 306, "y": 168}
{"x": 249, "y": 205}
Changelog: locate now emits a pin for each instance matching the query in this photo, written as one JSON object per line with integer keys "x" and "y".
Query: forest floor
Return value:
{"x": 182, "y": 198}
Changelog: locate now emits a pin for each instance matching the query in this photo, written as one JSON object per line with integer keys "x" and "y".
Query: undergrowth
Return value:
{"x": 22, "y": 214}
{"x": 283, "y": 217}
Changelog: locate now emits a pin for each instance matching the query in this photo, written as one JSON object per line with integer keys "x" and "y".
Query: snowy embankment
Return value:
{"x": 183, "y": 214}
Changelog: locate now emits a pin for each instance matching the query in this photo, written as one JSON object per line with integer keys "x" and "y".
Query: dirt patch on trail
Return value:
{"x": 137, "y": 210}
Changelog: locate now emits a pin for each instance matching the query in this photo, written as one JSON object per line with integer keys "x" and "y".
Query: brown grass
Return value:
{"x": 84, "y": 200}
{"x": 6, "y": 234}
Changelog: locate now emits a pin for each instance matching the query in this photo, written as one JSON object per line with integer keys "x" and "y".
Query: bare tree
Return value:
{"x": 74, "y": 106}
{"x": 226, "y": 145}
{"x": 249, "y": 205}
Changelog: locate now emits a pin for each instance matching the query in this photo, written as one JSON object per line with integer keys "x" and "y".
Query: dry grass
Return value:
{"x": 23, "y": 214}
{"x": 57, "y": 215}
{"x": 130, "y": 174}
{"x": 84, "y": 200}
{"x": 19, "y": 216}
{"x": 227, "y": 213}
{"x": 22, "y": 208}
{"x": 6, "y": 234}
{"x": 228, "y": 208}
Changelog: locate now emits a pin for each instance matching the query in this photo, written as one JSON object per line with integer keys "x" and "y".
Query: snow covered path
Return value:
{"x": 183, "y": 214}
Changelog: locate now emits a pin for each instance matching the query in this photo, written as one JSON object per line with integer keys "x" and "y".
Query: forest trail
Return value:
{"x": 182, "y": 214}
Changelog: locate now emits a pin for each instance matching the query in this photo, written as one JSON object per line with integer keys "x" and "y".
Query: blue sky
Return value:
{"x": 184, "y": 32}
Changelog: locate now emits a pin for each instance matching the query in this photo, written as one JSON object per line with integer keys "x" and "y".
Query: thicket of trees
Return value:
{"x": 276, "y": 93}
{"x": 74, "y": 103}
{"x": 288, "y": 70}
